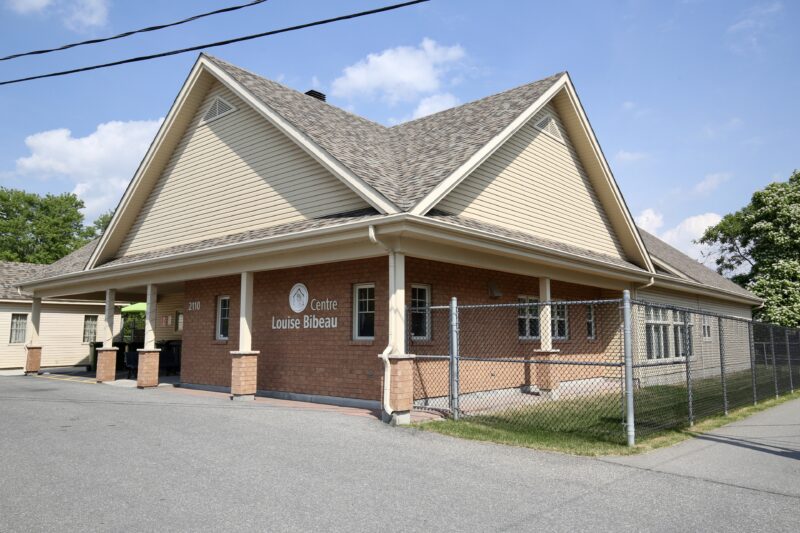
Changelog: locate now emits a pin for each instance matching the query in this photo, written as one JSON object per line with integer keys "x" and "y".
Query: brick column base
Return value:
{"x": 106, "y": 364}
{"x": 33, "y": 359}
{"x": 401, "y": 388}
{"x": 546, "y": 375}
{"x": 244, "y": 374}
{"x": 147, "y": 375}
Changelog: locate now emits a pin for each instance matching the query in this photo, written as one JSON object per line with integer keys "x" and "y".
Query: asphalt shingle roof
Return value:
{"x": 12, "y": 274}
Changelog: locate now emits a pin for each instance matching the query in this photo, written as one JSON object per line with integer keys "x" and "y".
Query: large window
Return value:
{"x": 420, "y": 312}
{"x": 89, "y": 328}
{"x": 528, "y": 317}
{"x": 591, "y": 327}
{"x": 682, "y": 341}
{"x": 559, "y": 321}
{"x": 657, "y": 332}
{"x": 223, "y": 317}
{"x": 19, "y": 322}
{"x": 364, "y": 311}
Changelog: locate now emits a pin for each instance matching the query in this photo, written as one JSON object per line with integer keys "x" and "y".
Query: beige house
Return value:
{"x": 68, "y": 326}
{"x": 288, "y": 236}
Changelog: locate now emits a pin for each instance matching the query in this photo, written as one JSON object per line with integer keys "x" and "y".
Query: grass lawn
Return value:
{"x": 594, "y": 426}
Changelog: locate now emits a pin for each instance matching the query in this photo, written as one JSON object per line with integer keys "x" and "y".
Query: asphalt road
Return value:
{"x": 80, "y": 457}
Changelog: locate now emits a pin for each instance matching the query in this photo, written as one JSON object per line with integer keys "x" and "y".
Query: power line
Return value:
{"x": 218, "y": 43}
{"x": 133, "y": 32}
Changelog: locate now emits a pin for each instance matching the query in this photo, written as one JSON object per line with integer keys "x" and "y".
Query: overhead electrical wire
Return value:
{"x": 218, "y": 43}
{"x": 133, "y": 32}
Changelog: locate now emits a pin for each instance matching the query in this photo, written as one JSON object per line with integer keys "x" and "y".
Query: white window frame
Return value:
{"x": 681, "y": 327}
{"x": 706, "y": 327}
{"x": 96, "y": 320}
{"x": 658, "y": 319}
{"x": 179, "y": 321}
{"x": 591, "y": 318}
{"x": 525, "y": 303}
{"x": 18, "y": 330}
{"x": 554, "y": 319}
{"x": 218, "y": 329}
{"x": 427, "y": 307}
{"x": 356, "y": 311}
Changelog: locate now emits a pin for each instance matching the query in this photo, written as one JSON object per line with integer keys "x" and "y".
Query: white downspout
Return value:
{"x": 387, "y": 366}
{"x": 645, "y": 286}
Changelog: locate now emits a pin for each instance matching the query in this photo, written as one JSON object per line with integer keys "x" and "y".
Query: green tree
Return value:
{"x": 759, "y": 247}
{"x": 39, "y": 229}
{"x": 100, "y": 224}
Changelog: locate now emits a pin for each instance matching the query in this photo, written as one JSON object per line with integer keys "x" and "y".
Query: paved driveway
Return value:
{"x": 79, "y": 457}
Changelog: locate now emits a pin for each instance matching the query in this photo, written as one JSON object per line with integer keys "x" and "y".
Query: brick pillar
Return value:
{"x": 244, "y": 374}
{"x": 147, "y": 375}
{"x": 401, "y": 387}
{"x": 546, "y": 375}
{"x": 106, "y": 364}
{"x": 33, "y": 359}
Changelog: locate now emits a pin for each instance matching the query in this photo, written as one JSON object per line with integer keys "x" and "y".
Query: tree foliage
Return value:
{"x": 759, "y": 247}
{"x": 42, "y": 229}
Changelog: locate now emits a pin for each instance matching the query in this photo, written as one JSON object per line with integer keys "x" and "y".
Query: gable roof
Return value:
{"x": 12, "y": 274}
{"x": 688, "y": 267}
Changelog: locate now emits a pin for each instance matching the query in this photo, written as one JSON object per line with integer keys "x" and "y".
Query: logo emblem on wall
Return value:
{"x": 298, "y": 297}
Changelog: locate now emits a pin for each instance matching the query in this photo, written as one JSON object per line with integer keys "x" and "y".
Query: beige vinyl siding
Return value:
{"x": 60, "y": 334}
{"x": 535, "y": 183}
{"x": 167, "y": 306}
{"x": 233, "y": 174}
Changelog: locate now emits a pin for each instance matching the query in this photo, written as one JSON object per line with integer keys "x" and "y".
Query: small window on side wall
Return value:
{"x": 591, "y": 325}
{"x": 89, "y": 328}
{"x": 364, "y": 311}
{"x": 223, "y": 317}
{"x": 421, "y": 312}
{"x": 19, "y": 323}
{"x": 179, "y": 321}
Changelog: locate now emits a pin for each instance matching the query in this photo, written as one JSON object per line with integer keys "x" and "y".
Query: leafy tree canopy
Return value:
{"x": 759, "y": 247}
{"x": 42, "y": 229}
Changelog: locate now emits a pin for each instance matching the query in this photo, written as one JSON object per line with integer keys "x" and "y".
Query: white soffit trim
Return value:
{"x": 133, "y": 186}
{"x": 450, "y": 183}
{"x": 669, "y": 268}
{"x": 359, "y": 186}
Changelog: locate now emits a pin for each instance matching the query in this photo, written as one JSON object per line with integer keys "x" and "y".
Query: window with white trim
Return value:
{"x": 223, "y": 317}
{"x": 682, "y": 341}
{"x": 591, "y": 328}
{"x": 89, "y": 328}
{"x": 19, "y": 324}
{"x": 364, "y": 311}
{"x": 706, "y": 329}
{"x": 657, "y": 325}
{"x": 421, "y": 312}
{"x": 178, "y": 321}
{"x": 559, "y": 322}
{"x": 528, "y": 317}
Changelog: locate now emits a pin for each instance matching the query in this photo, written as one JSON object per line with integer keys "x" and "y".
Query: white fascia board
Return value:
{"x": 60, "y": 302}
{"x": 448, "y": 184}
{"x": 695, "y": 287}
{"x": 669, "y": 268}
{"x": 133, "y": 186}
{"x": 359, "y": 186}
{"x": 609, "y": 176}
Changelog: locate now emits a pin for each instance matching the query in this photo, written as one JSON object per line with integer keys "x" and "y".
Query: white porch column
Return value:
{"x": 108, "y": 330}
{"x": 545, "y": 318}
{"x": 150, "y": 318}
{"x": 397, "y": 302}
{"x": 246, "y": 313}
{"x": 34, "y": 321}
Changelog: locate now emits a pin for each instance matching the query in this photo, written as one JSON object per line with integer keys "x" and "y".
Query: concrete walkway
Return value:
{"x": 75, "y": 457}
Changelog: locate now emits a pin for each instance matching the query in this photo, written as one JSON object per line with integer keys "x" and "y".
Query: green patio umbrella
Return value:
{"x": 141, "y": 307}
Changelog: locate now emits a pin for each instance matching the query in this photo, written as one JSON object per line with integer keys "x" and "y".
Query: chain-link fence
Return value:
{"x": 501, "y": 365}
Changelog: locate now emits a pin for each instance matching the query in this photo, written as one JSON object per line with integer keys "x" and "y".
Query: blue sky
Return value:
{"x": 694, "y": 101}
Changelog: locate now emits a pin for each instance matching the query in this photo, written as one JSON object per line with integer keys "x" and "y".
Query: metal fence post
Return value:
{"x": 789, "y": 360}
{"x": 689, "y": 395}
{"x": 454, "y": 358}
{"x": 752, "y": 361}
{"x": 630, "y": 423}
{"x": 722, "y": 365}
{"x": 774, "y": 362}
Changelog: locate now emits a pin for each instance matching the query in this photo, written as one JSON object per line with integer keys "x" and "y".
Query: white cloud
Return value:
{"x": 650, "y": 220}
{"x": 99, "y": 165}
{"x": 315, "y": 84}
{"x": 24, "y": 7}
{"x": 626, "y": 156}
{"x": 711, "y": 182}
{"x": 399, "y": 74}
{"x": 435, "y": 103}
{"x": 714, "y": 131}
{"x": 628, "y": 106}
{"x": 746, "y": 34}
{"x": 683, "y": 234}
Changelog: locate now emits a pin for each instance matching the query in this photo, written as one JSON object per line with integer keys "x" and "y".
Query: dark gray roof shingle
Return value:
{"x": 12, "y": 274}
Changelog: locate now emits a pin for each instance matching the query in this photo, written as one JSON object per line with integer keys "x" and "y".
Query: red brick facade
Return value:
{"x": 244, "y": 370}
{"x": 33, "y": 359}
{"x": 106, "y": 364}
{"x": 147, "y": 373}
{"x": 329, "y": 362}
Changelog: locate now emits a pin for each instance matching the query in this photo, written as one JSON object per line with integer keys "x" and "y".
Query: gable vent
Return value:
{"x": 549, "y": 126}
{"x": 218, "y": 108}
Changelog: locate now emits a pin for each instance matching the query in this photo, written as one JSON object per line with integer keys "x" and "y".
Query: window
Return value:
{"x": 657, "y": 332}
{"x": 528, "y": 317}
{"x": 420, "y": 312}
{"x": 591, "y": 331}
{"x": 683, "y": 343}
{"x": 223, "y": 317}
{"x": 706, "y": 329}
{"x": 364, "y": 311}
{"x": 19, "y": 323}
{"x": 89, "y": 328}
{"x": 559, "y": 324}
{"x": 179, "y": 321}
